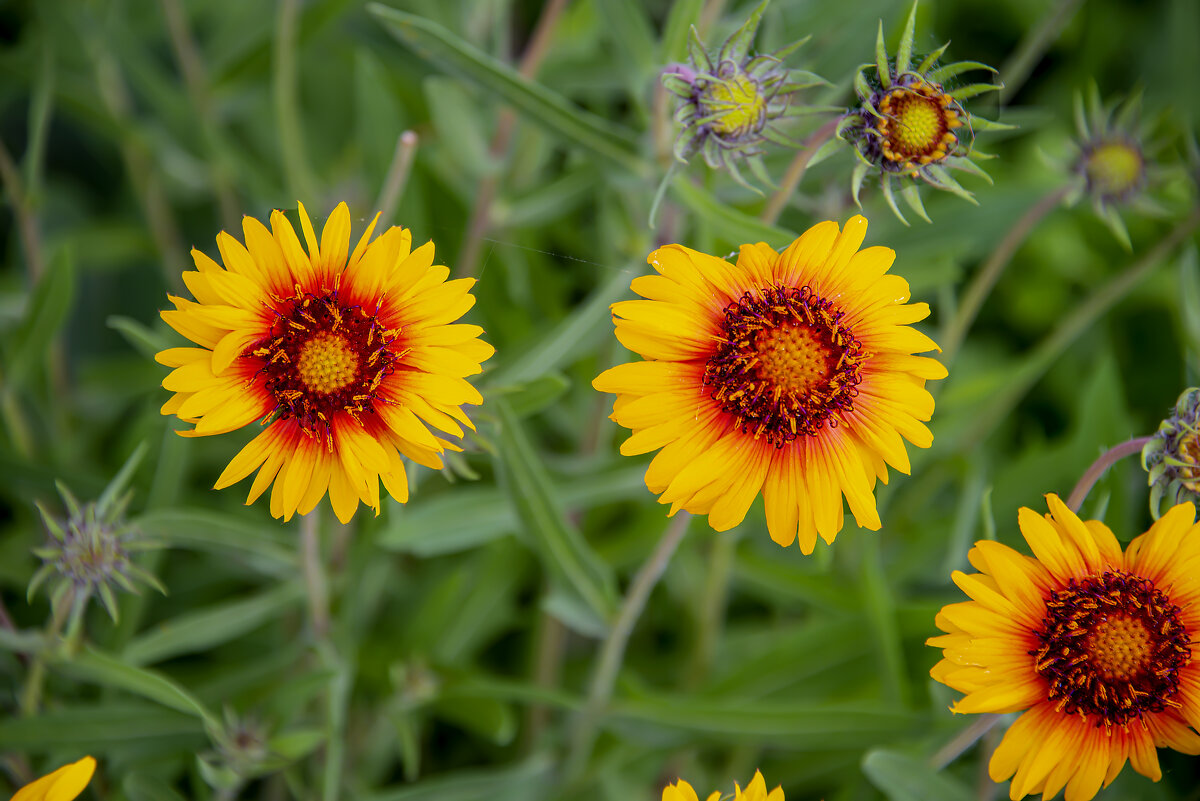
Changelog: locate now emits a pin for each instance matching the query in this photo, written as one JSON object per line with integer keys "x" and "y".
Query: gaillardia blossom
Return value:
{"x": 791, "y": 373}
{"x": 1096, "y": 647}
{"x": 729, "y": 102}
{"x": 64, "y": 784}
{"x": 909, "y": 126}
{"x": 346, "y": 357}
{"x": 756, "y": 790}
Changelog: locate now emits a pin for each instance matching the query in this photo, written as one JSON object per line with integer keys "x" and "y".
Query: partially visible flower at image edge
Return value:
{"x": 1096, "y": 648}
{"x": 348, "y": 358}
{"x": 756, "y": 790}
{"x": 788, "y": 373}
{"x": 64, "y": 784}
{"x": 1171, "y": 458}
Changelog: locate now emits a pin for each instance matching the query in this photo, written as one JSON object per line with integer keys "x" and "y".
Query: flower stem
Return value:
{"x": 31, "y": 697}
{"x": 612, "y": 653}
{"x": 397, "y": 177}
{"x": 1106, "y": 460}
{"x": 795, "y": 171}
{"x": 485, "y": 193}
{"x": 983, "y": 282}
{"x": 314, "y": 574}
{"x": 1021, "y": 63}
{"x": 712, "y": 607}
{"x": 286, "y": 91}
{"x": 963, "y": 740}
{"x": 1049, "y": 349}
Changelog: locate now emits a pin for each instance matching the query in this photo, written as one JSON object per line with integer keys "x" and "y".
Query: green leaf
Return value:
{"x": 912, "y": 196}
{"x": 904, "y": 51}
{"x": 207, "y": 628}
{"x": 144, "y": 340}
{"x": 783, "y": 724}
{"x": 99, "y": 668}
{"x": 266, "y": 549}
{"x": 725, "y": 222}
{"x": 1189, "y": 297}
{"x": 44, "y": 316}
{"x": 526, "y": 781}
{"x": 491, "y": 719}
{"x": 108, "y": 499}
{"x": 96, "y": 726}
{"x": 533, "y": 396}
{"x": 564, "y": 552}
{"x": 459, "y": 123}
{"x": 144, "y": 787}
{"x": 472, "y": 516}
{"x": 882, "y": 70}
{"x": 439, "y": 46}
{"x": 565, "y": 341}
{"x": 905, "y": 778}
{"x": 738, "y": 45}
{"x": 296, "y": 744}
{"x": 942, "y": 74}
{"x": 973, "y": 89}
{"x": 675, "y": 33}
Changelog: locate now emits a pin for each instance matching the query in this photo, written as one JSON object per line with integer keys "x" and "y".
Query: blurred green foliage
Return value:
{"x": 465, "y": 624}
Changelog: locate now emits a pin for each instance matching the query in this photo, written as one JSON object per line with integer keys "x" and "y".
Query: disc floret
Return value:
{"x": 908, "y": 126}
{"x": 729, "y": 101}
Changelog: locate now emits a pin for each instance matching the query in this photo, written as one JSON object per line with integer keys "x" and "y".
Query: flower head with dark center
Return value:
{"x": 728, "y": 101}
{"x": 1097, "y": 648}
{"x": 792, "y": 374}
{"x": 909, "y": 127}
{"x": 1172, "y": 456}
{"x": 348, "y": 358}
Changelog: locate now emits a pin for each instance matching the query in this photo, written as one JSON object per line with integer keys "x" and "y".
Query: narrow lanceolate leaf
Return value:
{"x": 881, "y": 60}
{"x": 44, "y": 316}
{"x": 675, "y": 33}
{"x": 145, "y": 340}
{"x": 726, "y": 222}
{"x": 890, "y": 196}
{"x": 207, "y": 628}
{"x": 973, "y": 89}
{"x": 856, "y": 180}
{"x": 696, "y": 51}
{"x": 737, "y": 46}
{"x": 931, "y": 59}
{"x": 912, "y": 196}
{"x": 120, "y": 481}
{"x": 905, "y": 778}
{"x": 942, "y": 74}
{"x": 904, "y": 51}
{"x": 564, "y": 552}
{"x": 100, "y": 668}
{"x": 441, "y": 47}
{"x": 265, "y": 548}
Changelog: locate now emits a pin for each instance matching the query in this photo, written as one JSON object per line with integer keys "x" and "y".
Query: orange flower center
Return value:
{"x": 322, "y": 358}
{"x": 918, "y": 124}
{"x": 327, "y": 363}
{"x": 786, "y": 366}
{"x": 1112, "y": 647}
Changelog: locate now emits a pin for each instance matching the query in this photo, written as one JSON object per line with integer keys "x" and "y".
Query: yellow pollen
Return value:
{"x": 918, "y": 125}
{"x": 1119, "y": 648}
{"x": 1114, "y": 168}
{"x": 327, "y": 363}
{"x": 793, "y": 358}
{"x": 737, "y": 102}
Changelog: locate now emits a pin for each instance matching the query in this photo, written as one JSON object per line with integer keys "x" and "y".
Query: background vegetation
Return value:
{"x": 465, "y": 625}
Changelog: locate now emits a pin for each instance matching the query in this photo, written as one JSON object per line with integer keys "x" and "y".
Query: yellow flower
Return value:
{"x": 791, "y": 373}
{"x": 347, "y": 357}
{"x": 755, "y": 791}
{"x": 1097, "y": 647}
{"x": 63, "y": 784}
{"x": 682, "y": 791}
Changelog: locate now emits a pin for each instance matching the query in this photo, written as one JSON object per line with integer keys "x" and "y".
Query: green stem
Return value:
{"x": 314, "y": 574}
{"x": 31, "y": 697}
{"x": 983, "y": 282}
{"x": 612, "y": 653}
{"x": 1030, "y": 50}
{"x": 712, "y": 607}
{"x": 795, "y": 171}
{"x": 1106, "y": 460}
{"x": 397, "y": 177}
{"x": 1070, "y": 328}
